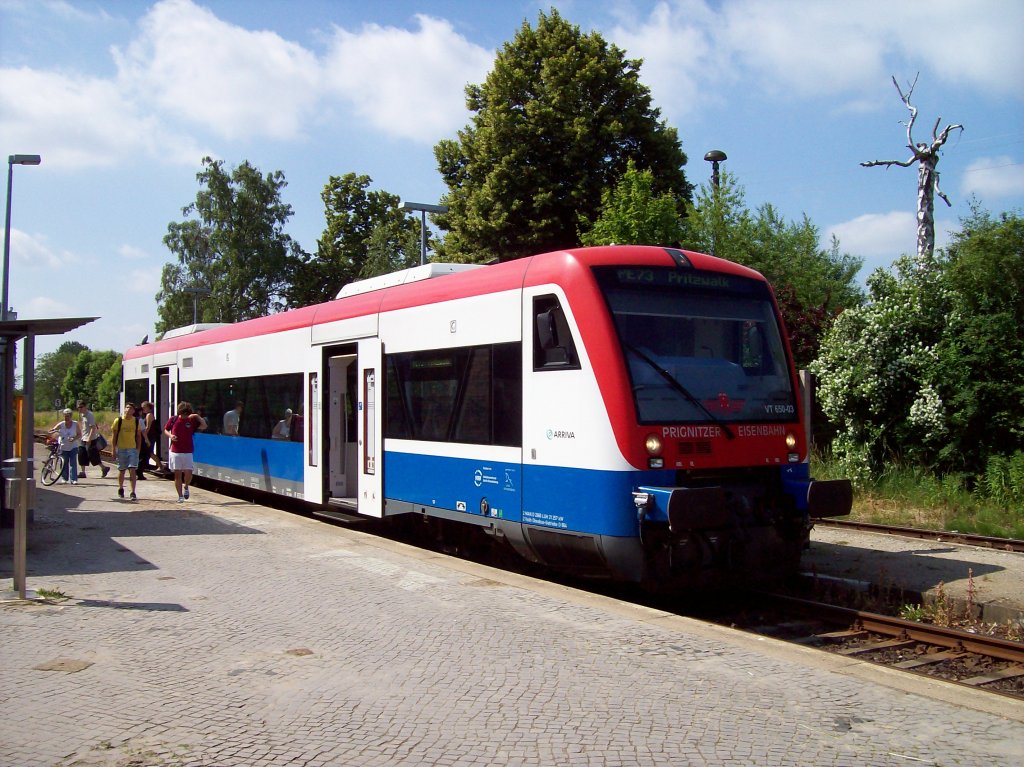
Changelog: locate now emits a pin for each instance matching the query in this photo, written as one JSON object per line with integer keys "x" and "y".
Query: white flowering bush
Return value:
{"x": 931, "y": 370}
{"x": 877, "y": 369}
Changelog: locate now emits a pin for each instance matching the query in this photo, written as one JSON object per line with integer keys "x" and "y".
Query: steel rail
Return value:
{"x": 984, "y": 541}
{"x": 955, "y": 639}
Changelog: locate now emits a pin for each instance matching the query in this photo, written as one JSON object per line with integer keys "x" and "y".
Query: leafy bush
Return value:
{"x": 931, "y": 371}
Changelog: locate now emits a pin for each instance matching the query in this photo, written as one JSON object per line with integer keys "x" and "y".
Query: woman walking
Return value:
{"x": 150, "y": 433}
{"x": 70, "y": 436}
{"x": 179, "y": 431}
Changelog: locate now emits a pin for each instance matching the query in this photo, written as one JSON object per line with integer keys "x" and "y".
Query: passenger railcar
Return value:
{"x": 624, "y": 411}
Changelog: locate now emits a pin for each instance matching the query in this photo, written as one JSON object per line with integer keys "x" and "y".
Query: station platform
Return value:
{"x": 219, "y": 633}
{"x": 988, "y": 583}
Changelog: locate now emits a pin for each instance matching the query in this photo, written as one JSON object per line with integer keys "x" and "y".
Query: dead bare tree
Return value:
{"x": 927, "y": 156}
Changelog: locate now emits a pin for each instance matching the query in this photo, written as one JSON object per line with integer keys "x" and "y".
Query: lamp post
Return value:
{"x": 196, "y": 292}
{"x": 424, "y": 209}
{"x": 714, "y": 157}
{"x": 12, "y": 160}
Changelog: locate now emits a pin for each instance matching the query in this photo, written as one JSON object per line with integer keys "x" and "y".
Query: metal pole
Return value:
{"x": 7, "y": 365}
{"x": 27, "y": 448}
{"x": 423, "y": 237}
{"x": 424, "y": 209}
{"x": 7, "y": 237}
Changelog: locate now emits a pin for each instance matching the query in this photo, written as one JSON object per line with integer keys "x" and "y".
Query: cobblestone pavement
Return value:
{"x": 221, "y": 633}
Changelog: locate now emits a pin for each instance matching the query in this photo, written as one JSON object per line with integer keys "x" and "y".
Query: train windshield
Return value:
{"x": 699, "y": 346}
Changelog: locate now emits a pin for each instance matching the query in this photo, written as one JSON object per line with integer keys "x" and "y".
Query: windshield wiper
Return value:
{"x": 674, "y": 383}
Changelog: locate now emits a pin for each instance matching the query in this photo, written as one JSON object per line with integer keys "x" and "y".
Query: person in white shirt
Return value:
{"x": 70, "y": 435}
{"x": 90, "y": 439}
{"x": 231, "y": 420}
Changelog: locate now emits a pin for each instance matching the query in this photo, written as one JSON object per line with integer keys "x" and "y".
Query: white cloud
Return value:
{"x": 680, "y": 59}
{"x": 235, "y": 82}
{"x": 132, "y": 253}
{"x": 407, "y": 83}
{"x": 75, "y": 121}
{"x": 846, "y": 52}
{"x": 34, "y": 252}
{"x": 46, "y": 307}
{"x": 146, "y": 281}
{"x": 993, "y": 177}
{"x": 880, "y": 238}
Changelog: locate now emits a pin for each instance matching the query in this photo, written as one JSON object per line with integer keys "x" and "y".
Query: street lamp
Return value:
{"x": 12, "y": 160}
{"x": 424, "y": 209}
{"x": 196, "y": 292}
{"x": 714, "y": 157}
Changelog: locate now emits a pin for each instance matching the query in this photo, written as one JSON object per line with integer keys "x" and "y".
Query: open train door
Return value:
{"x": 165, "y": 406}
{"x": 369, "y": 427}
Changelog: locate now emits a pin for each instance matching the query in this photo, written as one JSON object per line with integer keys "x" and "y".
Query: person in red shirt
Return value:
{"x": 179, "y": 431}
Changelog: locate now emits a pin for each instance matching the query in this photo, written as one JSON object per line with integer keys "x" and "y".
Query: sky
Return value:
{"x": 123, "y": 99}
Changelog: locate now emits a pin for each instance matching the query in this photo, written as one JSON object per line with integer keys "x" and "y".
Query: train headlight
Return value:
{"x": 653, "y": 444}
{"x": 791, "y": 440}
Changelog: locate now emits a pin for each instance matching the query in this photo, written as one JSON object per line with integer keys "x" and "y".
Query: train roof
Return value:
{"x": 402, "y": 290}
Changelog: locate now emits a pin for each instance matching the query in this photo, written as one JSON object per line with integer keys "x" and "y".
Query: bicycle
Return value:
{"x": 53, "y": 466}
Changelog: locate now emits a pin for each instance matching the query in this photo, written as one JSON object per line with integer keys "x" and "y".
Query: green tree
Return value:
{"x": 812, "y": 284}
{"x": 356, "y": 219}
{"x": 50, "y": 371}
{"x": 236, "y": 247}
{"x": 85, "y": 377}
{"x": 390, "y": 247}
{"x": 877, "y": 371}
{"x": 981, "y": 354}
{"x": 553, "y": 126}
{"x": 634, "y": 214}
{"x": 931, "y": 370}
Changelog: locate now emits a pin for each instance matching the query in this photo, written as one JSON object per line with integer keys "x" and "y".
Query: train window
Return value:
{"x": 699, "y": 347}
{"x": 136, "y": 390}
{"x": 471, "y": 395}
{"x": 553, "y": 345}
{"x": 265, "y": 401}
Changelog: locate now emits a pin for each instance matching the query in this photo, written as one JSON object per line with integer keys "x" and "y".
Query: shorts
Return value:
{"x": 180, "y": 462}
{"x": 127, "y": 458}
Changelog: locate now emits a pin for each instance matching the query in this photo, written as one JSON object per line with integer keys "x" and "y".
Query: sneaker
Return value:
{"x": 106, "y": 471}
{"x": 180, "y": 499}
{"x": 74, "y": 482}
{"x": 133, "y": 497}
{"x": 186, "y": 491}
{"x": 62, "y": 481}
{"x": 120, "y": 492}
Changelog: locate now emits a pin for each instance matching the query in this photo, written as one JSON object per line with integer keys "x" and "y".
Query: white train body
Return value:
{"x": 509, "y": 398}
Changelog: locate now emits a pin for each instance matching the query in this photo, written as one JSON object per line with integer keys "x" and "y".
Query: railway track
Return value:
{"x": 984, "y": 541}
{"x": 990, "y": 663}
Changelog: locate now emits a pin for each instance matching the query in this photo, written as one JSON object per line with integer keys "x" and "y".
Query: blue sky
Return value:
{"x": 123, "y": 99}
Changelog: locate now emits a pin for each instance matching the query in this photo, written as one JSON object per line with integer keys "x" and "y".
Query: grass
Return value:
{"x": 44, "y": 420}
{"x": 913, "y": 497}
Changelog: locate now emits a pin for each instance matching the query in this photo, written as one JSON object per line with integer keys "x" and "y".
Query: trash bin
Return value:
{"x": 12, "y": 491}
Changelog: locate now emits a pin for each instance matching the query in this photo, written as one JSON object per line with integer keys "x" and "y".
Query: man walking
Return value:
{"x": 127, "y": 441}
{"x": 90, "y": 440}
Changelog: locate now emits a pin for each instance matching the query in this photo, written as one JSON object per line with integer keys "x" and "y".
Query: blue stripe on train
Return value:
{"x": 574, "y": 500}
{"x": 265, "y": 458}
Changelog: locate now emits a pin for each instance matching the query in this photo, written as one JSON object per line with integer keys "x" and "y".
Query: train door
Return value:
{"x": 369, "y": 427}
{"x": 354, "y": 428}
{"x": 342, "y": 481}
{"x": 164, "y": 403}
